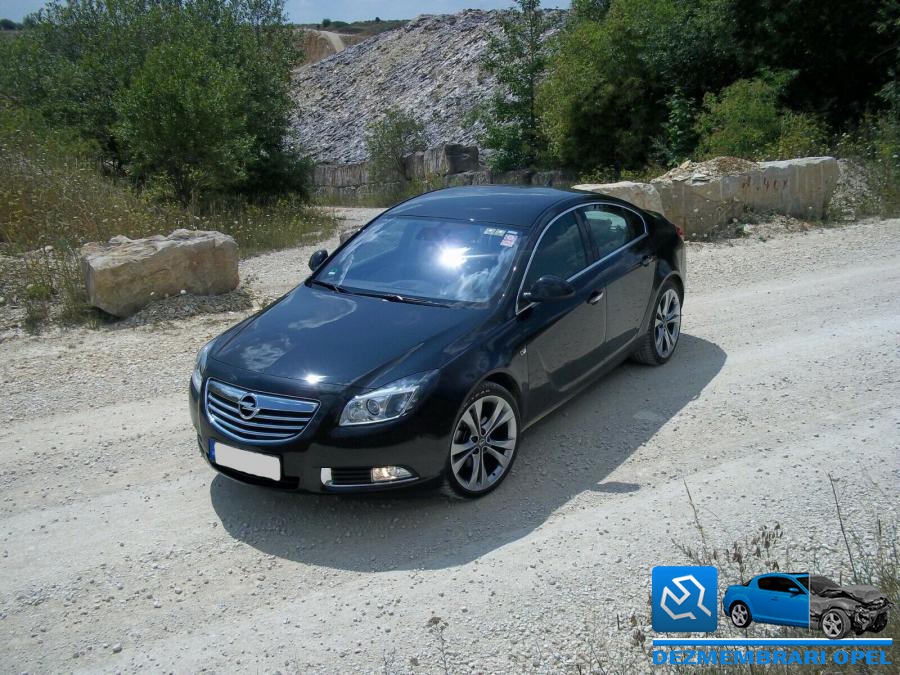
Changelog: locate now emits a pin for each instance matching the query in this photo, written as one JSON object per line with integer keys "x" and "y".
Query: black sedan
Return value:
{"x": 428, "y": 342}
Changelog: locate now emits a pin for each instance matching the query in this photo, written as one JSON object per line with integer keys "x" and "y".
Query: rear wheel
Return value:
{"x": 659, "y": 342}
{"x": 484, "y": 441}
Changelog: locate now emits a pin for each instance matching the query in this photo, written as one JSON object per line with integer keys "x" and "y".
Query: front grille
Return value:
{"x": 276, "y": 418}
{"x": 361, "y": 475}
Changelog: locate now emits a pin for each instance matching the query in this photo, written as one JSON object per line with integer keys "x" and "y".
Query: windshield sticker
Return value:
{"x": 494, "y": 232}
{"x": 508, "y": 240}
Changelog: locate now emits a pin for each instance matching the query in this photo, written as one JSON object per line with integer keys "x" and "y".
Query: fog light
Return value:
{"x": 381, "y": 474}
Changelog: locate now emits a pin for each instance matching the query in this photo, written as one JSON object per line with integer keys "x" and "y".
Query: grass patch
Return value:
{"x": 55, "y": 196}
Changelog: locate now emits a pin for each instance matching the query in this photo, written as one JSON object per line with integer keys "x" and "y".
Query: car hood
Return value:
{"x": 862, "y": 594}
{"x": 321, "y": 336}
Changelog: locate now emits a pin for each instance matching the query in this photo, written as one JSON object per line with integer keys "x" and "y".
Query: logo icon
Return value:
{"x": 685, "y": 599}
{"x": 248, "y": 408}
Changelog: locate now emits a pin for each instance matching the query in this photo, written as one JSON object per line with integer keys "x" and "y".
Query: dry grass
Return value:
{"x": 54, "y": 197}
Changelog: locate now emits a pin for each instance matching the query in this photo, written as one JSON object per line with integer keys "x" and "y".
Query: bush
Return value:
{"x": 389, "y": 141}
{"x": 611, "y": 69}
{"x": 875, "y": 144}
{"x": 745, "y": 120}
{"x": 193, "y": 93}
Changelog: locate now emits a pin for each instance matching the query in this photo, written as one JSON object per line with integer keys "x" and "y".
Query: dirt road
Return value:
{"x": 120, "y": 550}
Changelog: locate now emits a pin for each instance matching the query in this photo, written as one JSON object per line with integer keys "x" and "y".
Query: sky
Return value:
{"x": 313, "y": 11}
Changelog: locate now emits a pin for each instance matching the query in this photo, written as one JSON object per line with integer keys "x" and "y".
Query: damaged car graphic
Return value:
{"x": 837, "y": 610}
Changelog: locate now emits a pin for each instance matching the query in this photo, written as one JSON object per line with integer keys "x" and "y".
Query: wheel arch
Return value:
{"x": 505, "y": 380}
{"x": 742, "y": 599}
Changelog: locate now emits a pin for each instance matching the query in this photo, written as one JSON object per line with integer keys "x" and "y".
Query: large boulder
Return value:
{"x": 642, "y": 195}
{"x": 123, "y": 275}
{"x": 703, "y": 196}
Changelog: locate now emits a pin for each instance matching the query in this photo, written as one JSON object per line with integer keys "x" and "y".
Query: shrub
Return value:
{"x": 389, "y": 141}
{"x": 611, "y": 69}
{"x": 745, "y": 120}
{"x": 182, "y": 118}
{"x": 875, "y": 144}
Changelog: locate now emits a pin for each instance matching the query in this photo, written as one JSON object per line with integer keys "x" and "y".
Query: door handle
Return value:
{"x": 596, "y": 297}
{"x": 647, "y": 259}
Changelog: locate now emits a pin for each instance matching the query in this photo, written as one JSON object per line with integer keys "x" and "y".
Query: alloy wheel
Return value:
{"x": 667, "y": 325}
{"x": 483, "y": 443}
{"x": 739, "y": 615}
{"x": 832, "y": 625}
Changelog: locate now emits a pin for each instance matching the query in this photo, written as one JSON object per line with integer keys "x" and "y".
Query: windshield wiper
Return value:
{"x": 396, "y": 297}
{"x": 329, "y": 285}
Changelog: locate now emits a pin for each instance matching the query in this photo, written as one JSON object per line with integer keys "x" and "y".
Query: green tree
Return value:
{"x": 603, "y": 102}
{"x": 389, "y": 141}
{"x": 517, "y": 59}
{"x": 842, "y": 52}
{"x": 182, "y": 118}
{"x": 84, "y": 64}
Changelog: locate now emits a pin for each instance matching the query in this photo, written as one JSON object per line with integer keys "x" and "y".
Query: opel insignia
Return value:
{"x": 423, "y": 347}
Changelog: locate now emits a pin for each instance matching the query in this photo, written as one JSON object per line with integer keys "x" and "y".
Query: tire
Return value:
{"x": 835, "y": 624}
{"x": 880, "y": 624}
{"x": 478, "y": 460}
{"x": 658, "y": 344}
{"x": 740, "y": 615}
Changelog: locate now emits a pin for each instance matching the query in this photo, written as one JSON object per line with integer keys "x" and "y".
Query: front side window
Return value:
{"x": 611, "y": 226}
{"x": 428, "y": 258}
{"x": 560, "y": 251}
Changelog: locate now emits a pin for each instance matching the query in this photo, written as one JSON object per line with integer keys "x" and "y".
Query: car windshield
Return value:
{"x": 404, "y": 257}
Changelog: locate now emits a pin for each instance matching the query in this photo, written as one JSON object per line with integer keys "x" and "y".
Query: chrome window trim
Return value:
{"x": 589, "y": 267}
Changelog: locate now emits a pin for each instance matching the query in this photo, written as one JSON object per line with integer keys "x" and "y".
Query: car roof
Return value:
{"x": 782, "y": 574}
{"x": 516, "y": 205}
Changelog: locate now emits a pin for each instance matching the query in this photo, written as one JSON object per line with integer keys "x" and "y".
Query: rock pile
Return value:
{"x": 431, "y": 68}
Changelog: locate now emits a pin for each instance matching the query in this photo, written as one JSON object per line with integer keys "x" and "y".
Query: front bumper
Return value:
{"x": 418, "y": 442}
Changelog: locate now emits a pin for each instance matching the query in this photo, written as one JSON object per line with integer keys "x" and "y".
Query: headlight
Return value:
{"x": 388, "y": 402}
{"x": 200, "y": 365}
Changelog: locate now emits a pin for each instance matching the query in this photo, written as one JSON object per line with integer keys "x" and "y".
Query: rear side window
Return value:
{"x": 612, "y": 227}
{"x": 560, "y": 251}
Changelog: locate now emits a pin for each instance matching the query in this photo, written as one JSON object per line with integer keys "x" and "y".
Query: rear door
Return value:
{"x": 625, "y": 267}
{"x": 564, "y": 336}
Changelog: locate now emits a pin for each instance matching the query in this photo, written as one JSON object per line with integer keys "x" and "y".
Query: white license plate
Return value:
{"x": 253, "y": 463}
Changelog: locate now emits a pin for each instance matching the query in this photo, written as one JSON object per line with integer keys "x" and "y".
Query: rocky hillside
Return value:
{"x": 429, "y": 67}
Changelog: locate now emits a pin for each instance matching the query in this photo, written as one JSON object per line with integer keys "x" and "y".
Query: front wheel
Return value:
{"x": 835, "y": 624}
{"x": 484, "y": 441}
{"x": 740, "y": 615}
{"x": 659, "y": 342}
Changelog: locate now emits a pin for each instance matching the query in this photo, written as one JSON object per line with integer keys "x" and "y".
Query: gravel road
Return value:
{"x": 121, "y": 551}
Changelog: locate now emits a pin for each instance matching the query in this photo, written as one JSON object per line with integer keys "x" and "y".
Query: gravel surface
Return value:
{"x": 121, "y": 551}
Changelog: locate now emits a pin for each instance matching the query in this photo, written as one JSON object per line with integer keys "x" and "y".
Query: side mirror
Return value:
{"x": 547, "y": 288}
{"x": 317, "y": 258}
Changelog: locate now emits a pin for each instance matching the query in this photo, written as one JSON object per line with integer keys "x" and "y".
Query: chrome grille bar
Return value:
{"x": 276, "y": 418}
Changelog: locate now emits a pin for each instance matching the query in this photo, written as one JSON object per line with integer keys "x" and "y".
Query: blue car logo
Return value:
{"x": 781, "y": 598}
{"x": 684, "y": 599}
